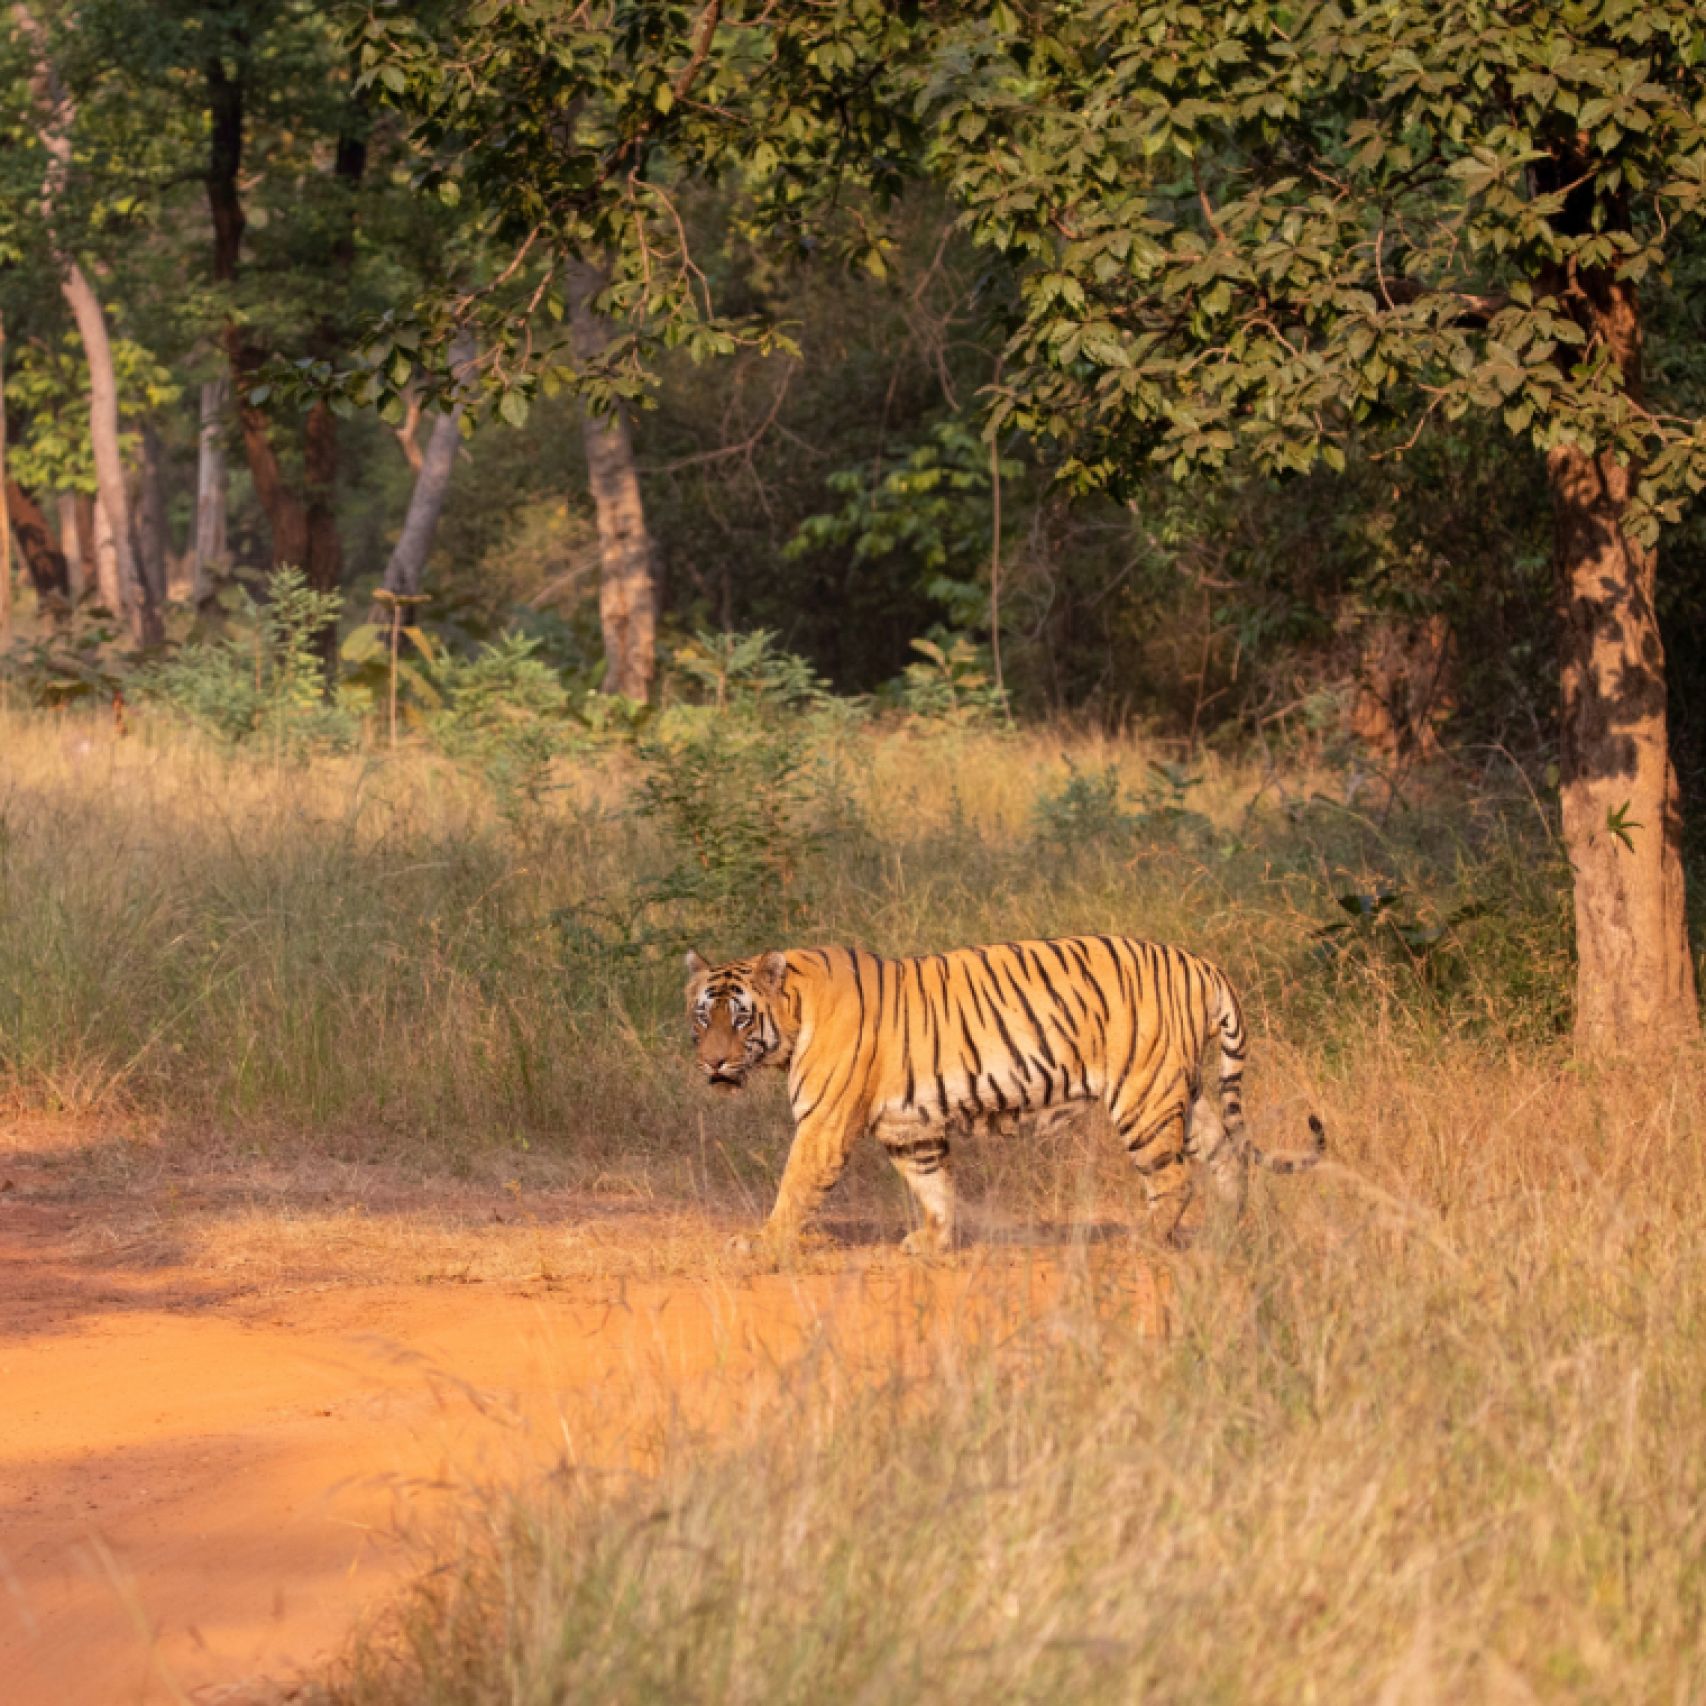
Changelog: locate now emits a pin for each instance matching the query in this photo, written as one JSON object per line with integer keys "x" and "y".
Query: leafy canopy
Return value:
{"x": 1256, "y": 225}
{"x": 1251, "y": 225}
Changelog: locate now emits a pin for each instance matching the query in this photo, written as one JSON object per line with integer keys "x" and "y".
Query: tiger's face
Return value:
{"x": 737, "y": 1016}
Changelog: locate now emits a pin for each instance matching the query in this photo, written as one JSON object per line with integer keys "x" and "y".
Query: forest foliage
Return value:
{"x": 1199, "y": 369}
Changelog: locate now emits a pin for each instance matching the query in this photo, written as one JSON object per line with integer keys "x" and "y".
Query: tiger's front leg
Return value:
{"x": 816, "y": 1159}
{"x": 919, "y": 1152}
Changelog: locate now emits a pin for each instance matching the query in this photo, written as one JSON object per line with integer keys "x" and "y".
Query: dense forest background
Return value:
{"x": 535, "y": 347}
{"x": 840, "y": 496}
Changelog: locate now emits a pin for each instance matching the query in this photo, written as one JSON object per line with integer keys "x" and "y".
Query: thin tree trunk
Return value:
{"x": 303, "y": 525}
{"x": 134, "y": 596}
{"x": 212, "y": 485}
{"x": 627, "y": 587}
{"x": 108, "y": 573}
{"x": 323, "y": 560}
{"x": 83, "y": 507}
{"x": 45, "y": 562}
{"x": 77, "y": 540}
{"x": 433, "y": 468}
{"x": 152, "y": 544}
{"x": 1622, "y": 819}
{"x": 57, "y": 114}
{"x": 287, "y": 518}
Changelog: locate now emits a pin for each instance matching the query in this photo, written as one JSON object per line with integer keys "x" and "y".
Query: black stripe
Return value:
{"x": 1031, "y": 1014}
{"x": 967, "y": 1040}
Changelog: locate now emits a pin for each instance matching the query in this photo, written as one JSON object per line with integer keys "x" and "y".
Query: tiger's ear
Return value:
{"x": 773, "y": 970}
{"x": 697, "y": 965}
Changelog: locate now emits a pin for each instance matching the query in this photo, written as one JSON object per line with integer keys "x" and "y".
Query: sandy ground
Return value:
{"x": 230, "y": 1422}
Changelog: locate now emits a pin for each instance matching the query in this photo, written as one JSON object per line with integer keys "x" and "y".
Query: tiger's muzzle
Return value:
{"x": 727, "y": 1055}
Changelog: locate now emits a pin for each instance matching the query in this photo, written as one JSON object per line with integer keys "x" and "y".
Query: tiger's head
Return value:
{"x": 738, "y": 1016}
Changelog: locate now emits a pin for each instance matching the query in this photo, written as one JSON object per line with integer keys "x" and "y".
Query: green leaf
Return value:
{"x": 364, "y": 641}
{"x": 1619, "y": 824}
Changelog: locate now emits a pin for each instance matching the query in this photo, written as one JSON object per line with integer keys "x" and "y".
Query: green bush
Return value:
{"x": 265, "y": 682}
{"x": 737, "y": 803}
{"x": 506, "y": 713}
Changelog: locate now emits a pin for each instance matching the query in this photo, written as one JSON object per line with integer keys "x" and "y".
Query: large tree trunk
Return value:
{"x": 209, "y": 548}
{"x": 627, "y": 587}
{"x": 433, "y": 469}
{"x": 48, "y": 571}
{"x": 57, "y": 114}
{"x": 1635, "y": 981}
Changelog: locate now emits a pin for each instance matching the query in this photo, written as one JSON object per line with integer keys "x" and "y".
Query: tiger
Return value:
{"x": 921, "y": 1052}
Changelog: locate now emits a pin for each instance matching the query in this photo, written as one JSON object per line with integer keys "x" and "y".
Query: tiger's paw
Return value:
{"x": 765, "y": 1245}
{"x": 929, "y": 1241}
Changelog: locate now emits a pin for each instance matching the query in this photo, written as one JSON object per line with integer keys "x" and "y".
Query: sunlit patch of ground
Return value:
{"x": 242, "y": 1397}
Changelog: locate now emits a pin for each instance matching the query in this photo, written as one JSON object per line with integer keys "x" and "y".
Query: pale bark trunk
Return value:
{"x": 433, "y": 468}
{"x": 135, "y": 602}
{"x": 57, "y": 114}
{"x": 1635, "y": 983}
{"x": 627, "y": 588}
{"x": 209, "y": 550}
{"x": 109, "y": 582}
{"x": 77, "y": 541}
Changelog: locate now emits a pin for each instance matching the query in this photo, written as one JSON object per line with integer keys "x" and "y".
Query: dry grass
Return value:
{"x": 1428, "y": 1428}
{"x": 1438, "y": 1438}
{"x": 359, "y": 955}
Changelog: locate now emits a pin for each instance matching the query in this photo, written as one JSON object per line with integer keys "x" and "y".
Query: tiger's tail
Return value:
{"x": 1234, "y": 1045}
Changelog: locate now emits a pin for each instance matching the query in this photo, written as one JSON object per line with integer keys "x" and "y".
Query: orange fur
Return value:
{"x": 921, "y": 1051}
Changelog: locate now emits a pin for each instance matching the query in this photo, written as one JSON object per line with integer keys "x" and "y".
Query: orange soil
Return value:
{"x": 200, "y": 1491}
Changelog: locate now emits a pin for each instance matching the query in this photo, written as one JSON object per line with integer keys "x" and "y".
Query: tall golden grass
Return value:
{"x": 1429, "y": 1427}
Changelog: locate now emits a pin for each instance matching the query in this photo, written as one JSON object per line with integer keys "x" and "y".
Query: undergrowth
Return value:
{"x": 1427, "y": 1431}
{"x": 1424, "y": 1431}
{"x": 385, "y": 949}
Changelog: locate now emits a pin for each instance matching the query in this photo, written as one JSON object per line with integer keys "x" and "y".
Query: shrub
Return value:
{"x": 266, "y": 681}
{"x": 505, "y": 712}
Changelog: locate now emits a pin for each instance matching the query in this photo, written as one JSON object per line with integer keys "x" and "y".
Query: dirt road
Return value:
{"x": 202, "y": 1486}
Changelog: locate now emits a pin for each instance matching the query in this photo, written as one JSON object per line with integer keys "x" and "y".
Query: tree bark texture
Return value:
{"x": 210, "y": 548}
{"x": 43, "y": 560}
{"x": 433, "y": 468}
{"x": 56, "y": 112}
{"x": 77, "y": 540}
{"x": 1635, "y": 981}
{"x": 303, "y": 524}
{"x": 153, "y": 545}
{"x": 627, "y": 586}
{"x": 109, "y": 581}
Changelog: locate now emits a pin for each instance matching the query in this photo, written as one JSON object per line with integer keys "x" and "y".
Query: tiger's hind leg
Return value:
{"x": 1157, "y": 1150}
{"x": 920, "y": 1156}
{"x": 1209, "y": 1144}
